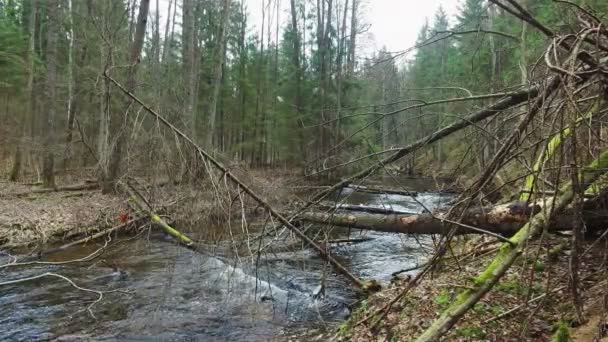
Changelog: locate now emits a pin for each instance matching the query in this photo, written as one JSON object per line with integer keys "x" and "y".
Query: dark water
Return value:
{"x": 176, "y": 294}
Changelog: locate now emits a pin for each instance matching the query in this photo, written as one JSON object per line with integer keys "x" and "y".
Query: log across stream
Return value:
{"x": 178, "y": 294}
{"x": 502, "y": 220}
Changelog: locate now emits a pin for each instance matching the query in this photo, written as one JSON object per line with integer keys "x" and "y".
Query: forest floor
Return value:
{"x": 31, "y": 216}
{"x": 537, "y": 318}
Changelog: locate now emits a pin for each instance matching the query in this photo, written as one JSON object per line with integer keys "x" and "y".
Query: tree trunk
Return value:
{"x": 523, "y": 50}
{"x": 339, "y": 62}
{"x": 242, "y": 83}
{"x": 352, "y": 39}
{"x": 118, "y": 122}
{"x": 218, "y": 61}
{"x": 48, "y": 174}
{"x": 504, "y": 220}
{"x": 190, "y": 64}
{"x": 71, "y": 110}
{"x": 166, "y": 41}
{"x": 298, "y": 73}
{"x": 31, "y": 51}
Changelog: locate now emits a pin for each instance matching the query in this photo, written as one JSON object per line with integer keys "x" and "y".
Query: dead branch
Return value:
{"x": 369, "y": 285}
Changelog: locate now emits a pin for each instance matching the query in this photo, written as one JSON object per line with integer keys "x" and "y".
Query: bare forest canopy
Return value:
{"x": 309, "y": 101}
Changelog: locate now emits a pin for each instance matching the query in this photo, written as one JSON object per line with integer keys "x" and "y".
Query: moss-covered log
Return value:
{"x": 138, "y": 204}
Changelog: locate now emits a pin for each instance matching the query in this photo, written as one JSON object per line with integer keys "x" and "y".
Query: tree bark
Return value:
{"x": 31, "y": 51}
{"x": 118, "y": 121}
{"x": 339, "y": 62}
{"x": 73, "y": 79}
{"x": 166, "y": 41}
{"x": 242, "y": 82}
{"x": 350, "y": 60}
{"x": 218, "y": 60}
{"x": 504, "y": 220}
{"x": 297, "y": 47}
{"x": 190, "y": 64}
{"x": 48, "y": 175}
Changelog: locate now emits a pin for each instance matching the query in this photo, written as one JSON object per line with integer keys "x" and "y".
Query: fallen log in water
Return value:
{"x": 97, "y": 235}
{"x": 138, "y": 203}
{"x": 501, "y": 219}
{"x": 360, "y": 208}
{"x": 377, "y": 190}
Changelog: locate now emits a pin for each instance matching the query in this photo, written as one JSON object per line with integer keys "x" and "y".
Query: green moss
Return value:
{"x": 345, "y": 328}
{"x": 554, "y": 253}
{"x": 497, "y": 309}
{"x": 470, "y": 331}
{"x": 562, "y": 332}
{"x": 443, "y": 299}
{"x": 518, "y": 288}
{"x": 482, "y": 308}
{"x": 513, "y": 287}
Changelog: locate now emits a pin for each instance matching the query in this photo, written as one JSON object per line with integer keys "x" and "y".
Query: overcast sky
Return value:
{"x": 392, "y": 23}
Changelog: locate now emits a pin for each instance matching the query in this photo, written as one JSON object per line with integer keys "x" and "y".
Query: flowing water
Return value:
{"x": 175, "y": 294}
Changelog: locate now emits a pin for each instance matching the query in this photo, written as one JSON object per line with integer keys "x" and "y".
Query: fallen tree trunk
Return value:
{"x": 137, "y": 203}
{"x": 504, "y": 220}
{"x": 361, "y": 208}
{"x": 84, "y": 240}
{"x": 73, "y": 187}
{"x": 376, "y": 190}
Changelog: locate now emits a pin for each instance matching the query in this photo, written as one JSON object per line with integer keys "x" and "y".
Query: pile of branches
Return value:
{"x": 557, "y": 141}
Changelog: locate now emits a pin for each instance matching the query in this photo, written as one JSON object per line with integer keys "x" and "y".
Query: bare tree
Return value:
{"x": 31, "y": 51}
{"x": 118, "y": 120}
{"x": 350, "y": 60}
{"x": 50, "y": 89}
{"x": 190, "y": 62}
{"x": 218, "y": 60}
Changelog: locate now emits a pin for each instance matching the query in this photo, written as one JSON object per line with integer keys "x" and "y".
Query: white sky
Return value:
{"x": 392, "y": 23}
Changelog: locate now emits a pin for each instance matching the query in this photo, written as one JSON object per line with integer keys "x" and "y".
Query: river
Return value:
{"x": 176, "y": 294}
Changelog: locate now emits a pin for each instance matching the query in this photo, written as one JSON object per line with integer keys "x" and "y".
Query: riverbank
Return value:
{"x": 31, "y": 216}
{"x": 531, "y": 303}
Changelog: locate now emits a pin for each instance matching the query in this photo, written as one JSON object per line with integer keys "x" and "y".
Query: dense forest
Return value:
{"x": 297, "y": 93}
{"x": 501, "y": 106}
